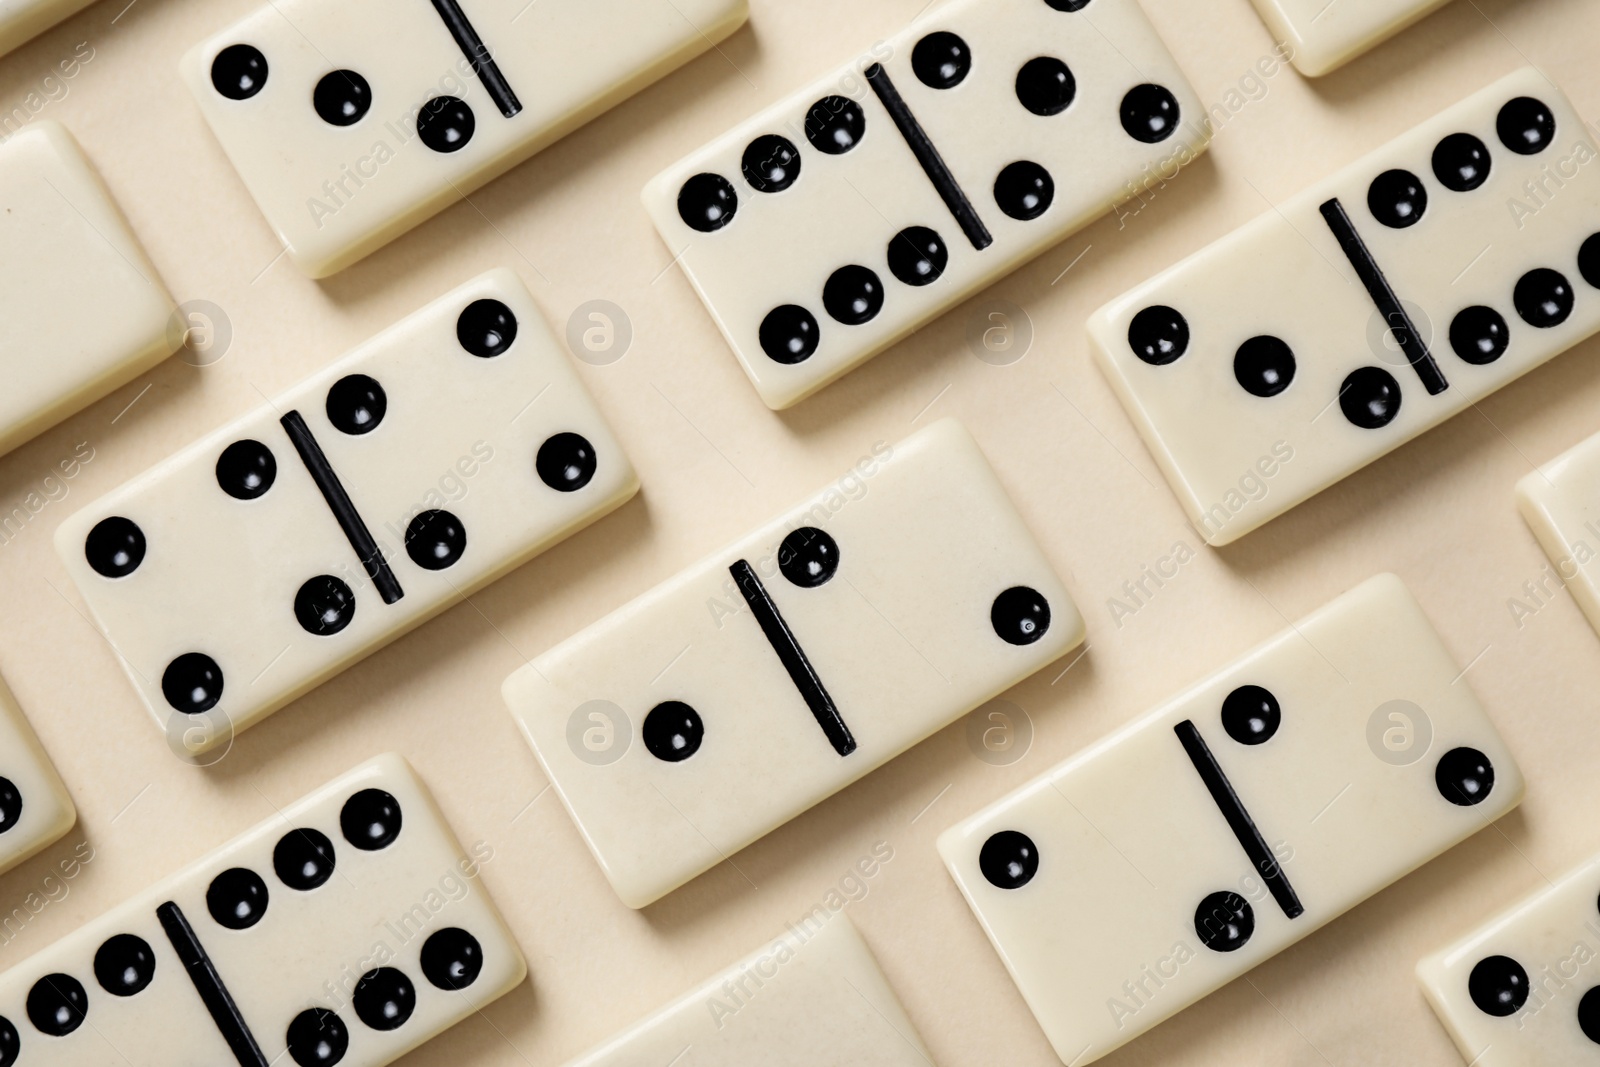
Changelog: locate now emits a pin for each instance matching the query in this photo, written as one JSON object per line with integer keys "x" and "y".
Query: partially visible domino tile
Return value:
{"x": 289, "y": 544}
{"x": 1327, "y": 34}
{"x": 352, "y": 122}
{"x": 1524, "y": 989}
{"x": 35, "y": 810}
{"x": 84, "y": 309}
{"x": 1561, "y": 503}
{"x": 814, "y": 996}
{"x": 1245, "y": 813}
{"x": 23, "y": 20}
{"x": 842, "y": 218}
{"x": 348, "y": 929}
{"x": 765, "y": 678}
{"x": 1366, "y": 310}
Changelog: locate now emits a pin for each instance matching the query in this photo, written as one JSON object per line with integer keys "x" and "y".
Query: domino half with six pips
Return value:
{"x": 774, "y": 673}
{"x": 83, "y": 308}
{"x": 813, "y": 996}
{"x": 1524, "y": 989}
{"x": 839, "y": 220}
{"x": 348, "y": 929}
{"x": 1561, "y": 503}
{"x": 1324, "y": 35}
{"x": 1366, "y": 310}
{"x": 1245, "y": 813}
{"x": 278, "y": 550}
{"x": 352, "y": 122}
{"x": 35, "y": 808}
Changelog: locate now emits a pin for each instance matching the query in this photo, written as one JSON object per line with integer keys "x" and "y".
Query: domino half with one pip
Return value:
{"x": 352, "y": 122}
{"x": 289, "y": 544}
{"x": 83, "y": 308}
{"x": 774, "y": 673}
{"x": 348, "y": 929}
{"x": 1240, "y": 816}
{"x": 1327, "y": 34}
{"x": 1366, "y": 310}
{"x": 1524, "y": 991}
{"x": 814, "y": 996}
{"x": 35, "y": 808}
{"x": 841, "y": 219}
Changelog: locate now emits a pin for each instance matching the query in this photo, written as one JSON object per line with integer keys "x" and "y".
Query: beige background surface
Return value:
{"x": 715, "y": 463}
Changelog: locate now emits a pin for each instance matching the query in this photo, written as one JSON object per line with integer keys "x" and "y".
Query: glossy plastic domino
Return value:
{"x": 1366, "y": 310}
{"x": 83, "y": 308}
{"x": 774, "y": 673}
{"x": 275, "y": 552}
{"x": 349, "y": 929}
{"x": 1524, "y": 989}
{"x": 1327, "y": 34}
{"x": 35, "y": 809}
{"x": 841, "y": 219}
{"x": 352, "y": 122}
{"x": 1561, "y": 503}
{"x": 23, "y": 20}
{"x": 1242, "y": 815}
{"x": 814, "y": 996}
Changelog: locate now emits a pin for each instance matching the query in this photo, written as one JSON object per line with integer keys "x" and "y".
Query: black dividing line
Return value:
{"x": 344, "y": 510}
{"x": 1378, "y": 287}
{"x": 1244, "y": 827}
{"x": 932, "y": 163}
{"x": 208, "y": 983}
{"x": 783, "y": 642}
{"x": 477, "y": 54}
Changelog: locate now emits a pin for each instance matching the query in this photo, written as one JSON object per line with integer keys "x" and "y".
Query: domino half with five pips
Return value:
{"x": 839, "y": 220}
{"x": 352, "y": 122}
{"x": 289, "y": 544}
{"x": 1366, "y": 310}
{"x": 348, "y": 929}
{"x": 812, "y": 996}
{"x": 1240, "y": 816}
{"x": 1524, "y": 989}
{"x": 774, "y": 673}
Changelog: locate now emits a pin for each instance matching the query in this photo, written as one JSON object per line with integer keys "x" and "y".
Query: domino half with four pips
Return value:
{"x": 1245, "y": 813}
{"x": 352, "y": 122}
{"x": 813, "y": 996}
{"x": 1524, "y": 989}
{"x": 1366, "y": 310}
{"x": 348, "y": 929}
{"x": 839, "y": 220}
{"x": 1324, "y": 35}
{"x": 765, "y": 678}
{"x": 287, "y": 545}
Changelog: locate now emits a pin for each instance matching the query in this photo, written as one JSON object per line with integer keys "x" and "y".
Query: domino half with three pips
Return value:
{"x": 1245, "y": 813}
{"x": 839, "y": 220}
{"x": 1366, "y": 310}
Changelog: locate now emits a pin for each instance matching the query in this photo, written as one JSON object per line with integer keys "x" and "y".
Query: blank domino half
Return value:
{"x": 765, "y": 678}
{"x": 1327, "y": 34}
{"x": 348, "y": 929}
{"x": 1524, "y": 989}
{"x": 352, "y": 122}
{"x": 1561, "y": 503}
{"x": 839, "y": 220}
{"x": 289, "y": 544}
{"x": 35, "y": 809}
{"x": 1233, "y": 820}
{"x": 814, "y": 996}
{"x": 84, "y": 309}
{"x": 1366, "y": 310}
